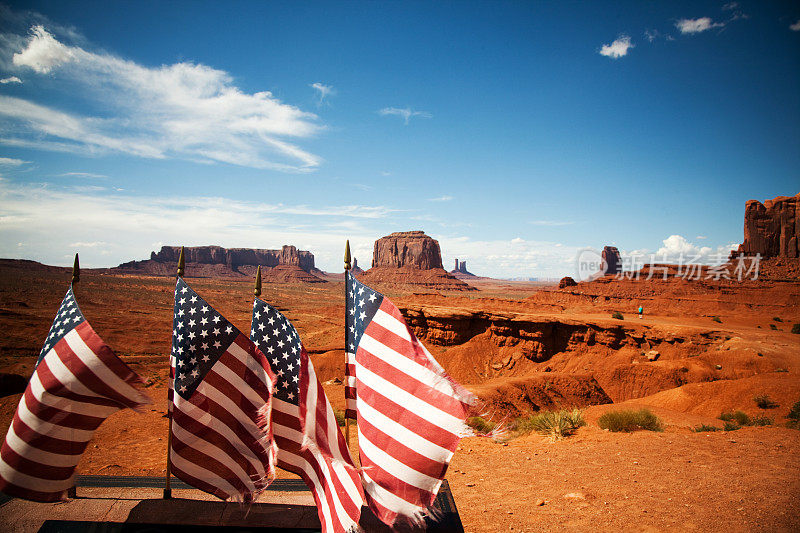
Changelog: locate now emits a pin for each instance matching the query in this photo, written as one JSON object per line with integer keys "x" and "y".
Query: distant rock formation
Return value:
{"x": 612, "y": 260}
{"x": 566, "y": 282}
{"x": 286, "y": 264}
{"x": 772, "y": 229}
{"x": 411, "y": 258}
{"x": 407, "y": 248}
{"x": 356, "y": 269}
{"x": 461, "y": 272}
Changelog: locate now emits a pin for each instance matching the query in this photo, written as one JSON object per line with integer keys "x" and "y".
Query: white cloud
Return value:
{"x": 10, "y": 162}
{"x": 183, "y": 110}
{"x": 55, "y": 221}
{"x": 406, "y": 112}
{"x": 323, "y": 91}
{"x": 651, "y": 35}
{"x": 10, "y": 79}
{"x": 619, "y": 48}
{"x": 730, "y": 6}
{"x": 82, "y": 175}
{"x": 697, "y": 25}
{"x": 795, "y": 26}
{"x": 677, "y": 248}
{"x": 441, "y": 199}
{"x": 701, "y": 237}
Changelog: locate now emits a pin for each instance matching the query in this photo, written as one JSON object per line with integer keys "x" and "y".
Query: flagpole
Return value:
{"x": 257, "y": 287}
{"x": 346, "y": 271}
{"x": 167, "y": 487}
{"x": 72, "y": 492}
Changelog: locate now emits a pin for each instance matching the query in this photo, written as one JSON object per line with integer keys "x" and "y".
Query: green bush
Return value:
{"x": 796, "y": 328}
{"x": 777, "y": 319}
{"x": 740, "y": 417}
{"x": 794, "y": 416}
{"x": 628, "y": 420}
{"x": 760, "y": 420}
{"x": 480, "y": 424}
{"x": 716, "y": 319}
{"x": 704, "y": 428}
{"x": 764, "y": 401}
{"x": 617, "y": 315}
{"x": 773, "y": 327}
{"x": 555, "y": 424}
{"x": 731, "y": 426}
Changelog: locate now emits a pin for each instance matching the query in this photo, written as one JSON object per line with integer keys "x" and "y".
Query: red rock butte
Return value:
{"x": 772, "y": 229}
{"x": 411, "y": 258}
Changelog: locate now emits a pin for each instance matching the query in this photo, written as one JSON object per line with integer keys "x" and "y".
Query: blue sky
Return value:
{"x": 514, "y": 133}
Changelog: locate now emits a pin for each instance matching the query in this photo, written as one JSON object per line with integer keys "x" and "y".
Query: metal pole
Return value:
{"x": 346, "y": 272}
{"x": 72, "y": 492}
{"x": 168, "y": 476}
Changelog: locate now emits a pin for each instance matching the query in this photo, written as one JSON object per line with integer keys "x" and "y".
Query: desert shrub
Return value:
{"x": 764, "y": 401}
{"x": 794, "y": 416}
{"x": 760, "y": 420}
{"x": 628, "y": 420}
{"x": 796, "y": 328}
{"x": 617, "y": 315}
{"x": 730, "y": 426}
{"x": 716, "y": 319}
{"x": 781, "y": 370}
{"x": 555, "y": 424}
{"x": 777, "y": 319}
{"x": 739, "y": 417}
{"x": 339, "y": 414}
{"x": 773, "y": 327}
{"x": 704, "y": 428}
{"x": 480, "y": 424}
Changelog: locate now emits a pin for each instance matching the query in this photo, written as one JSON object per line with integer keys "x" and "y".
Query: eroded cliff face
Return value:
{"x": 407, "y": 249}
{"x": 772, "y": 229}
{"x": 236, "y": 257}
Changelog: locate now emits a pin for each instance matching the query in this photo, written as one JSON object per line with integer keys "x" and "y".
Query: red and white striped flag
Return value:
{"x": 220, "y": 397}
{"x": 308, "y": 437}
{"x": 410, "y": 413}
{"x": 78, "y": 382}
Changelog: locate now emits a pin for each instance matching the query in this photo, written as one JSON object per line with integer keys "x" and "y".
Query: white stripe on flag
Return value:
{"x": 198, "y": 472}
{"x": 28, "y": 451}
{"x": 68, "y": 404}
{"x": 387, "y": 321}
{"x": 53, "y": 431}
{"x": 395, "y": 467}
{"x": 29, "y": 482}
{"x": 390, "y": 500}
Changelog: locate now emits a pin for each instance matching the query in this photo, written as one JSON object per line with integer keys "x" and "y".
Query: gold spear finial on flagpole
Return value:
{"x": 168, "y": 475}
{"x": 346, "y": 270}
{"x": 257, "y": 288}
{"x": 76, "y": 270}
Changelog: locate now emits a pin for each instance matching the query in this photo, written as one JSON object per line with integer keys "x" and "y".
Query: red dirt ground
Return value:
{"x": 678, "y": 480}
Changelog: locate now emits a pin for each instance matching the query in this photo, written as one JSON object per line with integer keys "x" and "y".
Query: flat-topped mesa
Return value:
{"x": 772, "y": 229}
{"x": 407, "y": 249}
{"x": 236, "y": 257}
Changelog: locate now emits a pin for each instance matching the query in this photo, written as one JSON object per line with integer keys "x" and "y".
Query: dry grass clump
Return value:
{"x": 764, "y": 401}
{"x": 555, "y": 424}
{"x": 481, "y": 425}
{"x": 628, "y": 420}
{"x": 794, "y": 416}
{"x": 617, "y": 315}
{"x": 737, "y": 419}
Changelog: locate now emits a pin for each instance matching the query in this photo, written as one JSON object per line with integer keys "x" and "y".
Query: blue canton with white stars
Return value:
{"x": 69, "y": 315}
{"x": 200, "y": 335}
{"x": 362, "y": 304}
{"x": 277, "y": 339}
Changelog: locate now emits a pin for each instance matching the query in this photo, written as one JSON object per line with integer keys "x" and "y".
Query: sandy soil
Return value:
{"x": 745, "y": 480}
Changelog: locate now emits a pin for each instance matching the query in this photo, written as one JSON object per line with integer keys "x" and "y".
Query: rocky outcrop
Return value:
{"x": 772, "y": 229}
{"x": 612, "y": 260}
{"x": 407, "y": 248}
{"x": 566, "y": 282}
{"x": 280, "y": 266}
{"x": 460, "y": 271}
{"x": 413, "y": 259}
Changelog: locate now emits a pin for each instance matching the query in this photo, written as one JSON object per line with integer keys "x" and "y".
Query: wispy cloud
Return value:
{"x": 10, "y": 162}
{"x": 730, "y": 6}
{"x": 795, "y": 26}
{"x": 93, "y": 244}
{"x": 82, "y": 175}
{"x": 406, "y": 113}
{"x": 700, "y": 25}
{"x": 323, "y": 92}
{"x": 183, "y": 110}
{"x": 10, "y": 79}
{"x": 441, "y": 199}
{"x": 619, "y": 48}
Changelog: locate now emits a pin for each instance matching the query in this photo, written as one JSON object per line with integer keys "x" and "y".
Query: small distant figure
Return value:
{"x": 641, "y": 311}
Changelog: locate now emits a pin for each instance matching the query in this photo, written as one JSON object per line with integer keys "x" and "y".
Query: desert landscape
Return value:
{"x": 702, "y": 348}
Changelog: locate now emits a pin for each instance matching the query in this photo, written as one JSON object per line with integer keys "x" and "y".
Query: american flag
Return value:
{"x": 410, "y": 413}
{"x": 308, "y": 438}
{"x": 220, "y": 397}
{"x": 77, "y": 383}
